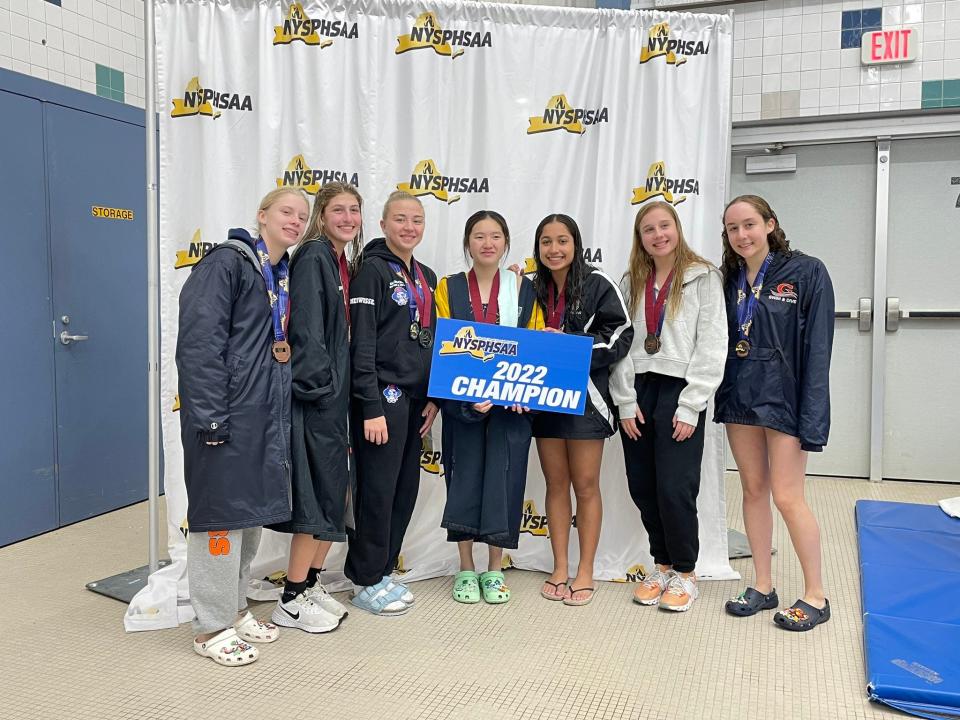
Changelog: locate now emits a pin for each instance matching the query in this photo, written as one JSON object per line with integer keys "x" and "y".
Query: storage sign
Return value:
{"x": 882, "y": 47}
{"x": 111, "y": 213}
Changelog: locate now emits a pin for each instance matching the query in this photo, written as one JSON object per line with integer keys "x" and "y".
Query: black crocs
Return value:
{"x": 751, "y": 601}
{"x": 802, "y": 616}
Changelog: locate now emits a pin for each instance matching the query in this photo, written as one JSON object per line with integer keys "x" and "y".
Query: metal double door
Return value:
{"x": 74, "y": 367}
{"x": 884, "y": 216}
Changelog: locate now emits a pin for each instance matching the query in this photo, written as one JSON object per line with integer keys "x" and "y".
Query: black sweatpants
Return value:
{"x": 388, "y": 479}
{"x": 664, "y": 475}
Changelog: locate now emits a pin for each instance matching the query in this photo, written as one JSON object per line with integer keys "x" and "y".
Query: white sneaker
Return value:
{"x": 303, "y": 613}
{"x": 318, "y": 593}
{"x": 677, "y": 588}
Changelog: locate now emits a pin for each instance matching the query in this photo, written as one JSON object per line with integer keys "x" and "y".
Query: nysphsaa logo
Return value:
{"x": 427, "y": 33}
{"x": 532, "y": 522}
{"x": 559, "y": 114}
{"x": 198, "y": 100}
{"x": 634, "y": 574}
{"x": 674, "y": 51}
{"x": 426, "y": 179}
{"x": 297, "y": 25}
{"x": 399, "y": 566}
{"x": 195, "y": 252}
{"x": 673, "y": 190}
{"x": 300, "y": 175}
{"x": 431, "y": 460}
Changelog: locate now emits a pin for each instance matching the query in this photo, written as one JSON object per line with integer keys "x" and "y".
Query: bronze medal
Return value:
{"x": 742, "y": 348}
{"x": 281, "y": 351}
{"x": 425, "y": 338}
{"x": 651, "y": 343}
{"x": 414, "y": 330}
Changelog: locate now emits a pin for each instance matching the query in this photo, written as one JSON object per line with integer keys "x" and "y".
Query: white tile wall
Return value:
{"x": 787, "y": 56}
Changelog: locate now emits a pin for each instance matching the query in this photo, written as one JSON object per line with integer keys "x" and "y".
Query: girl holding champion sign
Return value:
{"x": 393, "y": 317}
{"x": 662, "y": 389}
{"x": 319, "y": 336}
{"x": 775, "y": 396}
{"x": 234, "y": 383}
{"x": 485, "y": 448}
{"x": 579, "y": 299}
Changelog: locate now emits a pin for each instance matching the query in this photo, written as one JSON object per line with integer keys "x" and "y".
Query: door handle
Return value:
{"x": 66, "y": 338}
{"x": 865, "y": 316}
{"x": 893, "y": 314}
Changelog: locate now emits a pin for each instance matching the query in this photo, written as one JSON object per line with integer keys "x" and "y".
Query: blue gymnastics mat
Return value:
{"x": 910, "y": 589}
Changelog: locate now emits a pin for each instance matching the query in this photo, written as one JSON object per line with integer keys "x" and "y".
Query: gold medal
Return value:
{"x": 742, "y": 348}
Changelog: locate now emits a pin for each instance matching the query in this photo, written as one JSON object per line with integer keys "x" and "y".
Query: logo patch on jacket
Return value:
{"x": 784, "y": 292}
{"x": 400, "y": 295}
{"x": 392, "y": 393}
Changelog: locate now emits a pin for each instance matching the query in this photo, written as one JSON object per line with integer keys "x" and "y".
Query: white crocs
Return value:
{"x": 318, "y": 593}
{"x": 227, "y": 649}
{"x": 254, "y": 631}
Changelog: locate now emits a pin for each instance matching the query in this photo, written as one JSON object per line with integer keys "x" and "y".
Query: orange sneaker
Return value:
{"x": 650, "y": 589}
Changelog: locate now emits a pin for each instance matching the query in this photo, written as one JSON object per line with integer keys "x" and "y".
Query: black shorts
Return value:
{"x": 592, "y": 425}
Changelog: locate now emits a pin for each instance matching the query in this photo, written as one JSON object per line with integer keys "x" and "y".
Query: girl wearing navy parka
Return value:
{"x": 485, "y": 447}
{"x": 233, "y": 361}
{"x": 775, "y": 396}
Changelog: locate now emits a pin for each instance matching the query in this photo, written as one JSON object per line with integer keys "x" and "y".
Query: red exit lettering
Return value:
{"x": 887, "y": 46}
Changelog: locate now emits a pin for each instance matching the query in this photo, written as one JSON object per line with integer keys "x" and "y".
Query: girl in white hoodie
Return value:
{"x": 661, "y": 390}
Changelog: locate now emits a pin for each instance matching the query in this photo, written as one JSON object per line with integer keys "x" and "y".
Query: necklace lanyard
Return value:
{"x": 344, "y": 281}
{"x": 747, "y": 299}
{"x": 655, "y": 312}
{"x": 476, "y": 302}
{"x": 278, "y": 292}
{"x": 555, "y": 314}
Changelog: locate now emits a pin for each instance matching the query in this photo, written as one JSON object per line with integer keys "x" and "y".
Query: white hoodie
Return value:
{"x": 693, "y": 346}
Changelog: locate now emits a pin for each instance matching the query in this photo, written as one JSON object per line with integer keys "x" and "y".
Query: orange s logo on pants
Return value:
{"x": 219, "y": 543}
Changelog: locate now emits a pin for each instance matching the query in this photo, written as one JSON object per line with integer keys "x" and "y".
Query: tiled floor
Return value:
{"x": 67, "y": 656}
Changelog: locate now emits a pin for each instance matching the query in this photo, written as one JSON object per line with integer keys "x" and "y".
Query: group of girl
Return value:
{"x": 303, "y": 386}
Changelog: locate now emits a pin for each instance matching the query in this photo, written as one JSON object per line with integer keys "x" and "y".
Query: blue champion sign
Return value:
{"x": 539, "y": 370}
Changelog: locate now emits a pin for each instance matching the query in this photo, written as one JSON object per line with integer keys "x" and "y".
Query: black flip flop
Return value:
{"x": 752, "y": 601}
{"x": 802, "y": 616}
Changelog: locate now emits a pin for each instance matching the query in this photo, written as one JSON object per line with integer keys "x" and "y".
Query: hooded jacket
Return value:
{"x": 320, "y": 364}
{"x": 232, "y": 390}
{"x": 602, "y": 315}
{"x": 784, "y": 382}
{"x": 693, "y": 346}
{"x": 381, "y": 351}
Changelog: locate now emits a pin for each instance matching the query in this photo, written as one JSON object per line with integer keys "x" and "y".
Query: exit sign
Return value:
{"x": 881, "y": 47}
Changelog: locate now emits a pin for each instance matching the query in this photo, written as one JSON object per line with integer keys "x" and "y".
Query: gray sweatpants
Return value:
{"x": 218, "y": 570}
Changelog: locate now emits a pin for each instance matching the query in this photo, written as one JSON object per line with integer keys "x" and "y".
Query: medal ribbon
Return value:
{"x": 655, "y": 310}
{"x": 278, "y": 290}
{"x": 747, "y": 297}
{"x": 476, "y": 302}
{"x": 344, "y": 281}
{"x": 418, "y": 292}
{"x": 555, "y": 314}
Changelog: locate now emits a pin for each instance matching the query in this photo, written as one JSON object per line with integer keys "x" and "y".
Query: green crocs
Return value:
{"x": 466, "y": 589}
{"x": 494, "y": 591}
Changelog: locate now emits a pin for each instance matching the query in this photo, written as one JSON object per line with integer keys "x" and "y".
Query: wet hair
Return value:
{"x": 485, "y": 215}
{"x": 641, "y": 262}
{"x": 579, "y": 269}
{"x": 271, "y": 197}
{"x": 777, "y": 238}
{"x": 315, "y": 227}
{"x": 397, "y": 196}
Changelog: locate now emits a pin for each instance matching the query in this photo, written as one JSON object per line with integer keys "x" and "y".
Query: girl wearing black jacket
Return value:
{"x": 393, "y": 318}
{"x": 580, "y": 299}
{"x": 775, "y": 396}
{"x": 234, "y": 383}
{"x": 485, "y": 448}
{"x": 319, "y": 336}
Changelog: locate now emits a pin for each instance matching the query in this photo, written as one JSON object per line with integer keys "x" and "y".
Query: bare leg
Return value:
{"x": 788, "y": 466}
{"x": 465, "y": 548}
{"x": 553, "y": 460}
{"x": 749, "y": 446}
{"x": 495, "y": 560}
{"x": 583, "y": 457}
{"x": 303, "y": 550}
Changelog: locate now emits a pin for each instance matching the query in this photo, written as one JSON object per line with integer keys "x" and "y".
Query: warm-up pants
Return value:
{"x": 218, "y": 571}
{"x": 388, "y": 479}
{"x": 664, "y": 475}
